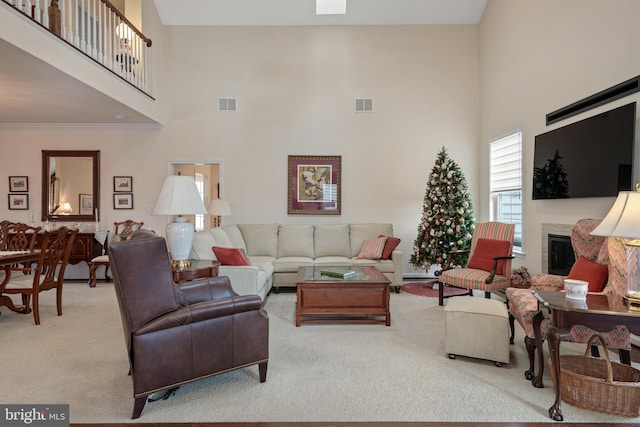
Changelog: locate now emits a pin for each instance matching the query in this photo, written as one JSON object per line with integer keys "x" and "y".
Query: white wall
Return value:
{"x": 538, "y": 56}
{"x": 295, "y": 88}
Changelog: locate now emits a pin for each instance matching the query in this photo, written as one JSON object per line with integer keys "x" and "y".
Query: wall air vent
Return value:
{"x": 364, "y": 105}
{"x": 227, "y": 104}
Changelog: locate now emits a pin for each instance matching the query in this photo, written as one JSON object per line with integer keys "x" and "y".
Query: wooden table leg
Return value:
{"x": 537, "y": 322}
{"x": 554, "y": 336}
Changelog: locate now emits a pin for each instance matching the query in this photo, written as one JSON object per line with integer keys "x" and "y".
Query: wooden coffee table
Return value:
{"x": 363, "y": 298}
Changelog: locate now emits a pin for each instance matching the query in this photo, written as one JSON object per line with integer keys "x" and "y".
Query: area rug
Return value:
{"x": 322, "y": 373}
{"x": 425, "y": 289}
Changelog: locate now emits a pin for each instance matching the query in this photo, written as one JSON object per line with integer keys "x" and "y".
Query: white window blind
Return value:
{"x": 506, "y": 183}
{"x": 506, "y": 163}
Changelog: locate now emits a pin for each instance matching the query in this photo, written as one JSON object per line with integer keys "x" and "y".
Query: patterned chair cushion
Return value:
{"x": 547, "y": 282}
{"x": 471, "y": 278}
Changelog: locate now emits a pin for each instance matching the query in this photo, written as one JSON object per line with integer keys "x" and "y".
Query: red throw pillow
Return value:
{"x": 230, "y": 256}
{"x": 485, "y": 251}
{"x": 389, "y": 246}
{"x": 589, "y": 271}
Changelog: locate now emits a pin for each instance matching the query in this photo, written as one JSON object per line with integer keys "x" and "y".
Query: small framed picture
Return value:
{"x": 86, "y": 204}
{"x": 122, "y": 184}
{"x": 18, "y": 184}
{"x": 123, "y": 201}
{"x": 19, "y": 202}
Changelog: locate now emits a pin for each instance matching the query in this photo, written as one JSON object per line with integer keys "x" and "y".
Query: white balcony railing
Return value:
{"x": 97, "y": 29}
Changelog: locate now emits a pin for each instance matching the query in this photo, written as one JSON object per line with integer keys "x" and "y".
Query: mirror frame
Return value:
{"x": 46, "y": 156}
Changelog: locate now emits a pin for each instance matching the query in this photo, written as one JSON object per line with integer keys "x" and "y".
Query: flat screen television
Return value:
{"x": 589, "y": 158}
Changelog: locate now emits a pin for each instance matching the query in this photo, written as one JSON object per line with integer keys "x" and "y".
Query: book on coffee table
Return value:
{"x": 342, "y": 273}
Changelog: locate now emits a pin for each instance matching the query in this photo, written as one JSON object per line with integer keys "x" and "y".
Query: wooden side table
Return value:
{"x": 197, "y": 270}
{"x": 600, "y": 312}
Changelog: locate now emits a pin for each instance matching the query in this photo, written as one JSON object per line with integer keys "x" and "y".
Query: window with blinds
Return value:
{"x": 506, "y": 183}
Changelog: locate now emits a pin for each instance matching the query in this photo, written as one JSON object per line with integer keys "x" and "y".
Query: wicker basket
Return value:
{"x": 599, "y": 384}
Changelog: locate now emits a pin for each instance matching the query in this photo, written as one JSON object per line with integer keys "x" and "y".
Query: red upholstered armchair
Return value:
{"x": 601, "y": 250}
{"x": 178, "y": 334}
{"x": 489, "y": 265}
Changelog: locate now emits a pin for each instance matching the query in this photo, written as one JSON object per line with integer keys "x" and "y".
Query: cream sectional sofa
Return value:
{"x": 277, "y": 250}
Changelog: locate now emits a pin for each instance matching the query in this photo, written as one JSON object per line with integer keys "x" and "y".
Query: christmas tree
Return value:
{"x": 447, "y": 217}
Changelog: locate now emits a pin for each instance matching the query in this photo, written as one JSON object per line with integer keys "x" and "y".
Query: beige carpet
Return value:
{"x": 316, "y": 372}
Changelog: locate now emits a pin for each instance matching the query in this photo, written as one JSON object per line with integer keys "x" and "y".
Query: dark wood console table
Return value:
{"x": 599, "y": 312}
{"x": 85, "y": 247}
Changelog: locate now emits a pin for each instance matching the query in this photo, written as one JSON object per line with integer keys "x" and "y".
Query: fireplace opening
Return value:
{"x": 561, "y": 256}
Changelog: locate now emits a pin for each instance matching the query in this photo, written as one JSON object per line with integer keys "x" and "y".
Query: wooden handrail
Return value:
{"x": 93, "y": 30}
{"x": 122, "y": 17}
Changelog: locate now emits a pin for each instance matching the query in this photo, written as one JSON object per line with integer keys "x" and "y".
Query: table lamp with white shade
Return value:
{"x": 219, "y": 208}
{"x": 179, "y": 196}
{"x": 623, "y": 220}
{"x": 64, "y": 209}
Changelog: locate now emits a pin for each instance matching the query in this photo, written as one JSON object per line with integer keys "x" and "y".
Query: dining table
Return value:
{"x": 8, "y": 259}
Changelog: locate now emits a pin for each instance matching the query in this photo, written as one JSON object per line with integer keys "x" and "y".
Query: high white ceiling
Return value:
{"x": 302, "y": 12}
{"x": 34, "y": 92}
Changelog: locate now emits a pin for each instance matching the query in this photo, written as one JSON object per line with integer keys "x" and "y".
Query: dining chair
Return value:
{"x": 489, "y": 266}
{"x": 48, "y": 274}
{"x": 4, "y": 234}
{"x": 21, "y": 237}
{"x": 121, "y": 230}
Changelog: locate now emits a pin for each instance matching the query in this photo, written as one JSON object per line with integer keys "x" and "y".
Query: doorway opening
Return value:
{"x": 207, "y": 174}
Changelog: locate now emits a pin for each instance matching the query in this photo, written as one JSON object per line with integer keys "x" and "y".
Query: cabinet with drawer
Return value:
{"x": 85, "y": 247}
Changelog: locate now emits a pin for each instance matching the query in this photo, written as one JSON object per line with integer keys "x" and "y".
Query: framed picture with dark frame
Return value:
{"x": 86, "y": 204}
{"x": 122, "y": 184}
{"x": 314, "y": 185}
{"x": 123, "y": 201}
{"x": 18, "y": 202}
{"x": 18, "y": 184}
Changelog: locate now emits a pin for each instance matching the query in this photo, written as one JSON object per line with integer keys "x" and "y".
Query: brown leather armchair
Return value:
{"x": 176, "y": 334}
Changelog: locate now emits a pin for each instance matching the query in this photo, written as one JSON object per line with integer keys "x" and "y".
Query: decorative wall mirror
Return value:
{"x": 70, "y": 185}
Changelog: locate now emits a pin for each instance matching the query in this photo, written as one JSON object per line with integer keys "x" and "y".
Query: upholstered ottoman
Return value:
{"x": 477, "y": 327}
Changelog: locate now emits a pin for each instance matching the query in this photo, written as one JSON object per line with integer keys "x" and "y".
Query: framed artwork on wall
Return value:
{"x": 122, "y": 184}
{"x": 18, "y": 184}
{"x": 123, "y": 201}
{"x": 19, "y": 202}
{"x": 86, "y": 204}
{"x": 314, "y": 185}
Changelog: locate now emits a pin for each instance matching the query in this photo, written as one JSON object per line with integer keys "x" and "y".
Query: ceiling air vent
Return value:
{"x": 227, "y": 104}
{"x": 364, "y": 105}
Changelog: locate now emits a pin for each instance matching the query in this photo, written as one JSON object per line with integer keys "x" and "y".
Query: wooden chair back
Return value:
{"x": 48, "y": 273}
{"x": 127, "y": 227}
{"x": 21, "y": 237}
{"x": 4, "y": 234}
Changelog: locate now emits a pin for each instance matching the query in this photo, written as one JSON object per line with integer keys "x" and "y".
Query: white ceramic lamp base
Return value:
{"x": 179, "y": 239}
